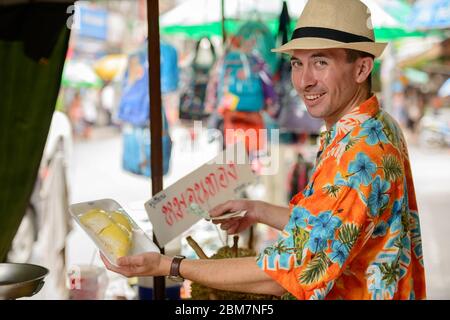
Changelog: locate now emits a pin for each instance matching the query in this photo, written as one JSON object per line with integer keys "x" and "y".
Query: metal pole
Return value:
{"x": 224, "y": 33}
{"x": 159, "y": 285}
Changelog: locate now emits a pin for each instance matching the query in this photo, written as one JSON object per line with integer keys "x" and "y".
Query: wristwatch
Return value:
{"x": 175, "y": 269}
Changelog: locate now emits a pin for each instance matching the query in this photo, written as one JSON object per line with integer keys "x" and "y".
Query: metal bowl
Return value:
{"x": 18, "y": 280}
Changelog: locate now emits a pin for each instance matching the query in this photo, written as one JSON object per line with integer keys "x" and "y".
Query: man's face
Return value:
{"x": 325, "y": 81}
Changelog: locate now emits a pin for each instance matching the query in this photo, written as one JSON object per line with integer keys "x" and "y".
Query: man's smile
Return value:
{"x": 313, "y": 99}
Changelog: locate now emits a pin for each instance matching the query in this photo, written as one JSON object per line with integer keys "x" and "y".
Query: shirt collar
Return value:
{"x": 366, "y": 110}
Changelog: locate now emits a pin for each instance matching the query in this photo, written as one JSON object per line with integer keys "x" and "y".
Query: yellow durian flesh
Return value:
{"x": 96, "y": 220}
{"x": 116, "y": 240}
{"x": 121, "y": 220}
{"x": 113, "y": 229}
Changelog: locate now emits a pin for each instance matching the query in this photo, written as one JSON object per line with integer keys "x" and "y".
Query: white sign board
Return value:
{"x": 219, "y": 180}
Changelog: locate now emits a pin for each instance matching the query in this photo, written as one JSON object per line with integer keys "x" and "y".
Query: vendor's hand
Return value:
{"x": 237, "y": 224}
{"x": 145, "y": 264}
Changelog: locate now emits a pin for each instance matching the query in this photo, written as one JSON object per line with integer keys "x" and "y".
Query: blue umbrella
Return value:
{"x": 427, "y": 14}
{"x": 444, "y": 91}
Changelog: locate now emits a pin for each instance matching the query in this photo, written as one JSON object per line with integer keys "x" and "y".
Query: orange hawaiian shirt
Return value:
{"x": 354, "y": 231}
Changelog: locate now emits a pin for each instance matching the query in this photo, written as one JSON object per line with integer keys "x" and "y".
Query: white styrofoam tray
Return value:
{"x": 140, "y": 241}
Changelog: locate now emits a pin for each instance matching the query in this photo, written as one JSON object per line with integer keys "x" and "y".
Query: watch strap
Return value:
{"x": 175, "y": 266}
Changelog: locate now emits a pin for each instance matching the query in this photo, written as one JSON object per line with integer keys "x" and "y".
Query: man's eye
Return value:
{"x": 321, "y": 63}
{"x": 295, "y": 64}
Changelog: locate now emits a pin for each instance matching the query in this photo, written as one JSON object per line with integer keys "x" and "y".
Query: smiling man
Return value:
{"x": 354, "y": 232}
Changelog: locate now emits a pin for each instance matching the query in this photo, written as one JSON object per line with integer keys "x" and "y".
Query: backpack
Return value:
{"x": 192, "y": 100}
{"x": 237, "y": 121}
{"x": 134, "y": 103}
{"x": 240, "y": 85}
{"x": 262, "y": 42}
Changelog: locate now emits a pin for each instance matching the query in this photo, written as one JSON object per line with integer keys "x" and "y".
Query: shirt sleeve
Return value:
{"x": 329, "y": 224}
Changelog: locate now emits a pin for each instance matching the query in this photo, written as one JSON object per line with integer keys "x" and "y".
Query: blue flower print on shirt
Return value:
{"x": 339, "y": 180}
{"x": 395, "y": 221}
{"x": 321, "y": 294}
{"x": 380, "y": 229}
{"x": 378, "y": 197}
{"x": 324, "y": 225}
{"x": 373, "y": 129}
{"x": 339, "y": 252}
{"x": 317, "y": 244}
{"x": 397, "y": 207}
{"x": 300, "y": 216}
{"x": 351, "y": 183}
{"x": 361, "y": 170}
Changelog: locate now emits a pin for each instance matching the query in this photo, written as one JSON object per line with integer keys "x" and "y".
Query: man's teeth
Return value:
{"x": 314, "y": 96}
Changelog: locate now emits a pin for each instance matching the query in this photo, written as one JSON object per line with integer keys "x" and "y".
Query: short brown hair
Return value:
{"x": 352, "y": 55}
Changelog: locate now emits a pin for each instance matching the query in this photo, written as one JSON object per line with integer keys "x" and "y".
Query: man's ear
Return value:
{"x": 364, "y": 67}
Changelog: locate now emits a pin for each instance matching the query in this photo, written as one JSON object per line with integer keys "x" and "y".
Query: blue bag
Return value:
{"x": 263, "y": 42}
{"x": 134, "y": 111}
{"x": 240, "y": 82}
{"x": 192, "y": 100}
{"x": 134, "y": 103}
{"x": 136, "y": 157}
{"x": 169, "y": 68}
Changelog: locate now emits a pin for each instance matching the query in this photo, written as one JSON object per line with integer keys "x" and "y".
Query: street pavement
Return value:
{"x": 431, "y": 174}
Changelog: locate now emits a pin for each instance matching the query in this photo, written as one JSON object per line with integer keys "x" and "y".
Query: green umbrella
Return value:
{"x": 203, "y": 17}
{"x": 78, "y": 75}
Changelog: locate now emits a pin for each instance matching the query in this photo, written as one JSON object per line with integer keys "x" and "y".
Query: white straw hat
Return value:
{"x": 326, "y": 24}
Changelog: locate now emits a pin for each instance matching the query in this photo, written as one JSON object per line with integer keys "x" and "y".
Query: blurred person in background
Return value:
{"x": 90, "y": 104}
{"x": 76, "y": 115}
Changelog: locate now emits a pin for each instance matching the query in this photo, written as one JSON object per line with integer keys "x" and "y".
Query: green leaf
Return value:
{"x": 390, "y": 272}
{"x": 331, "y": 190}
{"x": 405, "y": 218}
{"x": 280, "y": 247}
{"x": 316, "y": 269}
{"x": 351, "y": 142}
{"x": 392, "y": 168}
{"x": 348, "y": 234}
{"x": 301, "y": 237}
{"x": 288, "y": 296}
{"x": 327, "y": 138}
{"x": 268, "y": 251}
{"x": 388, "y": 131}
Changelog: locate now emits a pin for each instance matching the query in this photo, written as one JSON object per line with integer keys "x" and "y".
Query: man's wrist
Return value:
{"x": 165, "y": 264}
{"x": 272, "y": 215}
{"x": 261, "y": 209}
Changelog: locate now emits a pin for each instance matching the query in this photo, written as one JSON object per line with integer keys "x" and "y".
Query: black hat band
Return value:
{"x": 326, "y": 33}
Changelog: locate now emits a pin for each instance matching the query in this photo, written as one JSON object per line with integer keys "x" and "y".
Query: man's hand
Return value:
{"x": 237, "y": 224}
{"x": 145, "y": 264}
{"x": 257, "y": 211}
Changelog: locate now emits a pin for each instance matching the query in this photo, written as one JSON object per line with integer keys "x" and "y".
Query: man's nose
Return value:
{"x": 307, "y": 79}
